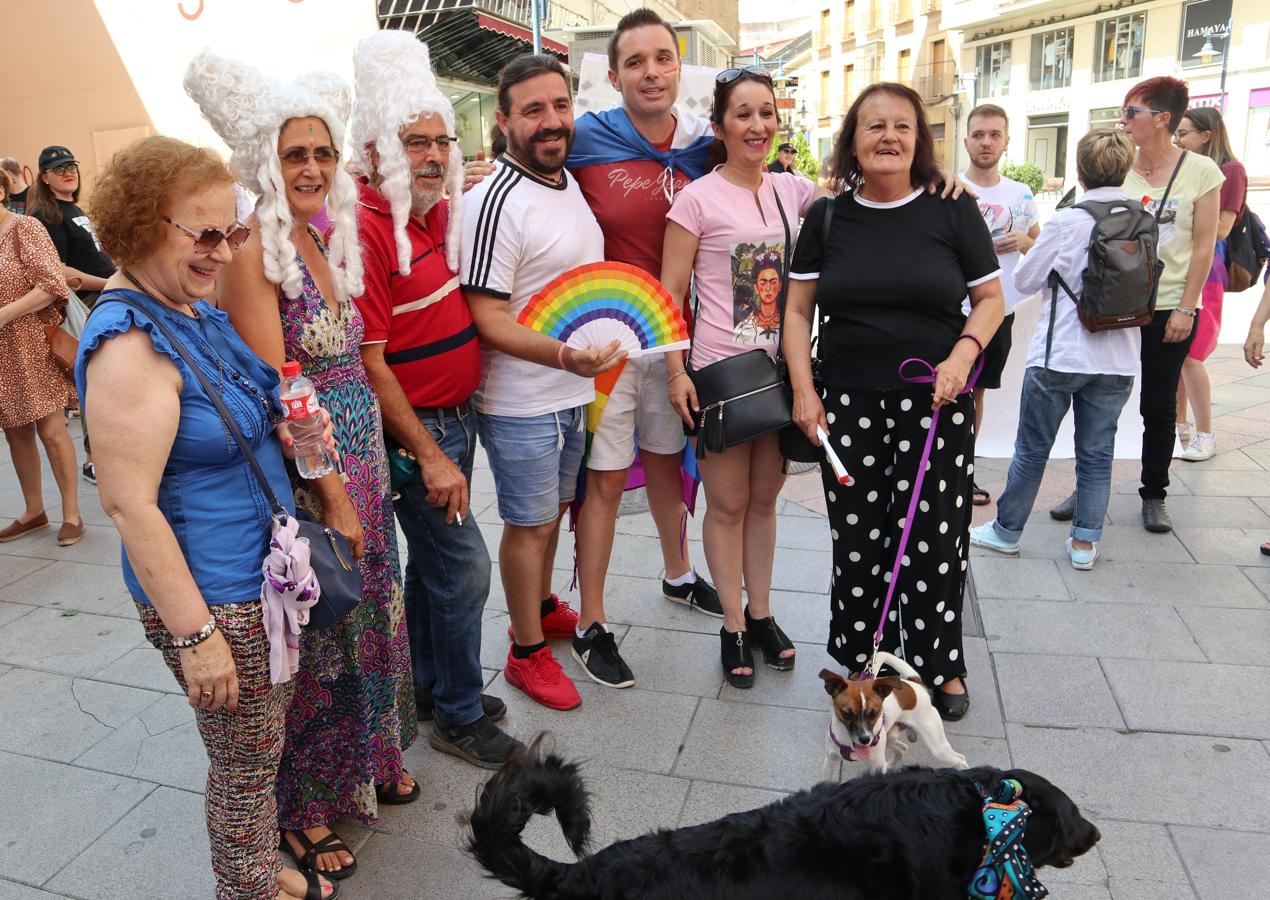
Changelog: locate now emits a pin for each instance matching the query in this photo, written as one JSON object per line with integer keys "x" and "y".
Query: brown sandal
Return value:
{"x": 978, "y": 496}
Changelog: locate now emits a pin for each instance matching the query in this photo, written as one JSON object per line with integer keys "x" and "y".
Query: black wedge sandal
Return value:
{"x": 771, "y": 640}
{"x": 735, "y": 653}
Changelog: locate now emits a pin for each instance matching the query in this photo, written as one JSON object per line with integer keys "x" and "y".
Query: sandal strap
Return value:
{"x": 768, "y": 634}
{"x": 306, "y": 861}
{"x": 332, "y": 843}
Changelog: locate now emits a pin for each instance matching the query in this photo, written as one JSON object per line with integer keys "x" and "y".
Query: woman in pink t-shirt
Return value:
{"x": 729, "y": 230}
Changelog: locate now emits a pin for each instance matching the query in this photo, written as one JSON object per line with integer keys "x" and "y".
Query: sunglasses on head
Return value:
{"x": 727, "y": 76}
{"x": 209, "y": 239}
{"x": 298, "y": 156}
{"x": 1130, "y": 111}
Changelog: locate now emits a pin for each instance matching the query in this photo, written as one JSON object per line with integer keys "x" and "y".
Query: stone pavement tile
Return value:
{"x": 630, "y": 729}
{"x": 801, "y": 570}
{"x": 17, "y": 567}
{"x": 1224, "y": 863}
{"x": 11, "y": 890}
{"x": 75, "y": 644}
{"x": 1137, "y": 851}
{"x": 804, "y": 617}
{"x": 632, "y": 555}
{"x": 1115, "y": 774}
{"x": 1234, "y": 636}
{"x": 984, "y": 717}
{"x": 793, "y": 508}
{"x": 1087, "y": 629}
{"x": 1188, "y": 511}
{"x": 801, "y": 688}
{"x": 1176, "y": 486}
{"x": 679, "y": 662}
{"x": 158, "y": 850}
{"x": 447, "y": 787}
{"x": 1241, "y": 394}
{"x": 1220, "y": 484}
{"x": 1223, "y": 546}
{"x": 70, "y": 585}
{"x": 1259, "y": 576}
{"x": 802, "y": 533}
{"x": 1120, "y": 543}
{"x": 144, "y": 668}
{"x": 1227, "y": 460}
{"x": 758, "y": 746}
{"x": 1087, "y": 870}
{"x": 11, "y": 611}
{"x": 64, "y": 810}
{"x": 99, "y": 545}
{"x": 161, "y": 744}
{"x": 396, "y": 868}
{"x": 1018, "y": 579}
{"x": 979, "y": 751}
{"x": 1060, "y": 691}
{"x": 56, "y": 717}
{"x": 1159, "y": 584}
{"x": 639, "y": 601}
{"x": 1192, "y": 698}
{"x": 708, "y": 801}
{"x": 1073, "y": 891}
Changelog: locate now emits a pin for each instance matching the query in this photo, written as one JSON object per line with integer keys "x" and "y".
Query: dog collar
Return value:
{"x": 1005, "y": 873}
{"x": 851, "y": 753}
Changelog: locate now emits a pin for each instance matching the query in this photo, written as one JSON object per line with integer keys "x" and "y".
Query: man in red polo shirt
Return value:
{"x": 421, "y": 353}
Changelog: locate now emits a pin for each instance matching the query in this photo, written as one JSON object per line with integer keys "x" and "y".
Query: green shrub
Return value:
{"x": 1027, "y": 172}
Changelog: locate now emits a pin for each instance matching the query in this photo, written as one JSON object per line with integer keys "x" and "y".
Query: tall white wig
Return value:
{"x": 395, "y": 85}
{"x": 248, "y": 111}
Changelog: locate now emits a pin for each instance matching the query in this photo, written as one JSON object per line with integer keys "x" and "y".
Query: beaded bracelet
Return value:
{"x": 968, "y": 335}
{"x": 198, "y": 637}
{"x": 1187, "y": 311}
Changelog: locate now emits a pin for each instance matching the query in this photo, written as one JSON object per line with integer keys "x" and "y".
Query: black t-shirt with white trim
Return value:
{"x": 891, "y": 282}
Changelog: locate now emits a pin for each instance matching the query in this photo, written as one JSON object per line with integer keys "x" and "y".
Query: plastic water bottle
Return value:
{"x": 304, "y": 419}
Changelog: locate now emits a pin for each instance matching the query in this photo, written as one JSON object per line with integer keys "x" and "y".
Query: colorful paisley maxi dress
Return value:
{"x": 353, "y": 711}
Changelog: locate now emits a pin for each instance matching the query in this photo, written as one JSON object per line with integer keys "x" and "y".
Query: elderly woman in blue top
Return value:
{"x": 194, "y": 522}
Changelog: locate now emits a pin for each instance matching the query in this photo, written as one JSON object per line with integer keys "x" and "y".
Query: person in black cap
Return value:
{"x": 53, "y": 200}
{"x": 784, "y": 161}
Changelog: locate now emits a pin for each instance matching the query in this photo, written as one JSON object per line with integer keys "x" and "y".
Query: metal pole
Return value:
{"x": 1230, "y": 37}
{"x": 537, "y": 25}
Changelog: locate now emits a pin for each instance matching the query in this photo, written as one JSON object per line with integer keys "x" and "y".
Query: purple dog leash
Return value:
{"x": 917, "y": 483}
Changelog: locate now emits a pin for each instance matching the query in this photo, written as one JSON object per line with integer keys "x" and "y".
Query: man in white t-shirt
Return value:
{"x": 1009, "y": 210}
{"x": 523, "y": 226}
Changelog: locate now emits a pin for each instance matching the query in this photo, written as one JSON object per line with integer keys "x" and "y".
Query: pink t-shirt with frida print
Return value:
{"x": 739, "y": 269}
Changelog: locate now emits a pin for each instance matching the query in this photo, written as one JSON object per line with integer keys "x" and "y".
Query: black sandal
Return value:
{"x": 771, "y": 640}
{"x": 313, "y": 886}
{"x": 735, "y": 653}
{"x": 978, "y": 496}
{"x": 388, "y": 794}
{"x": 307, "y": 862}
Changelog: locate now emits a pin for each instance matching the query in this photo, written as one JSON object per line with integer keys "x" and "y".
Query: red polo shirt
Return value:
{"x": 422, "y": 318}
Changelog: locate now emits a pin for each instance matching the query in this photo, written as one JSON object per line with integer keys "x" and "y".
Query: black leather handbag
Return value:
{"x": 744, "y": 396}
{"x": 330, "y": 555}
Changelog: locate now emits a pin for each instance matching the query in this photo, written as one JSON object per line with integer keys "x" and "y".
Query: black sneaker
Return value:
{"x": 482, "y": 743}
{"x": 493, "y": 707}
{"x": 89, "y": 472}
{"x": 699, "y": 595}
{"x": 596, "y": 650}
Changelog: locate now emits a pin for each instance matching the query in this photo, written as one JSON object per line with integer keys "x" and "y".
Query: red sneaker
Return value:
{"x": 541, "y": 677}
{"x": 561, "y": 622}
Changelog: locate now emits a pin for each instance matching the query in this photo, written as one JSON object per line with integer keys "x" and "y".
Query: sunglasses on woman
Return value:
{"x": 1130, "y": 111}
{"x": 66, "y": 169}
{"x": 209, "y": 239}
{"x": 727, "y": 76}
{"x": 298, "y": 156}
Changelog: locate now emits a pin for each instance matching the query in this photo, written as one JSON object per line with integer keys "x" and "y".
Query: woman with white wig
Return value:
{"x": 289, "y": 296}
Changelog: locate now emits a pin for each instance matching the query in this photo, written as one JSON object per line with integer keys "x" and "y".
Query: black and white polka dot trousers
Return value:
{"x": 880, "y": 435}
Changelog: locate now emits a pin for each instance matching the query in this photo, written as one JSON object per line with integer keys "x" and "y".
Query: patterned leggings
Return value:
{"x": 243, "y": 750}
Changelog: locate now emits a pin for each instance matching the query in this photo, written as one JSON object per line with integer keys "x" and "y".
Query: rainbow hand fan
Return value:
{"x": 598, "y": 303}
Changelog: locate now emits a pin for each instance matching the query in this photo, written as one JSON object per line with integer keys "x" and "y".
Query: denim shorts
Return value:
{"x": 535, "y": 461}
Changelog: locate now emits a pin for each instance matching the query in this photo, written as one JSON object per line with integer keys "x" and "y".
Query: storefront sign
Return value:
{"x": 1042, "y": 102}
{"x": 1204, "y": 23}
{"x": 1213, "y": 100}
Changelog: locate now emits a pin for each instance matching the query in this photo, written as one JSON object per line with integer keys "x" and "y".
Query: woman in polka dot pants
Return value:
{"x": 879, "y": 435}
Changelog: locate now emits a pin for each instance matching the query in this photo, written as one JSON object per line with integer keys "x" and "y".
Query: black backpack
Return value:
{"x": 1123, "y": 271}
{"x": 1246, "y": 251}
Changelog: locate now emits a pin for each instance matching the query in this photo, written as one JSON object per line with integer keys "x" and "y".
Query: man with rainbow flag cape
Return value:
{"x": 630, "y": 162}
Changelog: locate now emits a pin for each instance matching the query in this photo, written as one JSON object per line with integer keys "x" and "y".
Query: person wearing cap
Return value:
{"x": 784, "y": 161}
{"x": 53, "y": 200}
{"x": 422, "y": 356}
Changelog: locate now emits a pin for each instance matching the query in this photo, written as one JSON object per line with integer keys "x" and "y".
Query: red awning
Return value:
{"x": 516, "y": 31}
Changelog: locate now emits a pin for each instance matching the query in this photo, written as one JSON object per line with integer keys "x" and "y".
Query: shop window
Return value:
{"x": 1119, "y": 43}
{"x": 993, "y": 66}
{"x": 1051, "y": 63}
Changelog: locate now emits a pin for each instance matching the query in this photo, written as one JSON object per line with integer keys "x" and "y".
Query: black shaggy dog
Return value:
{"x": 915, "y": 834}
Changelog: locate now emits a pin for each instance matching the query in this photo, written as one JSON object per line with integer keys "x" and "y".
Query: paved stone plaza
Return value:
{"x": 1140, "y": 687}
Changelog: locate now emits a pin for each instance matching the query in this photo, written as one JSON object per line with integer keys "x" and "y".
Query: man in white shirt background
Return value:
{"x": 1009, "y": 209}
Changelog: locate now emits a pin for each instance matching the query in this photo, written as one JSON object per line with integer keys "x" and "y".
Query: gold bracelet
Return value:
{"x": 676, "y": 375}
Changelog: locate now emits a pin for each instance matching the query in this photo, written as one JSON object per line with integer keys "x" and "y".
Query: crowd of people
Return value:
{"x": 395, "y": 281}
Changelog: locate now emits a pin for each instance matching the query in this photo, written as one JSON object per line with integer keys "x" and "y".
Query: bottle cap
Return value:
{"x": 290, "y": 369}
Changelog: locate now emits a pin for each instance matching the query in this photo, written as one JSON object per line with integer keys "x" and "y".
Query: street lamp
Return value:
{"x": 1208, "y": 51}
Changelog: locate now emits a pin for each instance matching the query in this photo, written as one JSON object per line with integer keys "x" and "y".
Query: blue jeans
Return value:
{"x": 447, "y": 582}
{"x": 1097, "y": 401}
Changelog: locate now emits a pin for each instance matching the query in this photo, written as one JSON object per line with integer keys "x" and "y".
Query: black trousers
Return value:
{"x": 1161, "y": 369}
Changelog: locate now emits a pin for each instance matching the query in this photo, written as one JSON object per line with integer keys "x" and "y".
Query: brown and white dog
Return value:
{"x": 875, "y": 719}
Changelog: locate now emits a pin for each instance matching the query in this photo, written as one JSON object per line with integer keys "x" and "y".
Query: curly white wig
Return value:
{"x": 248, "y": 111}
{"x": 395, "y": 85}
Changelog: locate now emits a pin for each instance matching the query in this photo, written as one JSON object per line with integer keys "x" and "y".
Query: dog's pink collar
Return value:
{"x": 850, "y": 753}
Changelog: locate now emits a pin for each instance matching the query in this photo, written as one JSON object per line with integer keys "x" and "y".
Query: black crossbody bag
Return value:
{"x": 330, "y": 555}
{"x": 744, "y": 396}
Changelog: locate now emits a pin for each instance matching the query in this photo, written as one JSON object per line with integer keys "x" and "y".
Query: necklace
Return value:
{"x": 1147, "y": 170}
{"x": 222, "y": 368}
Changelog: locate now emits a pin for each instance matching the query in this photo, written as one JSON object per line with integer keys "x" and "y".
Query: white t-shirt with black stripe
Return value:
{"x": 520, "y": 232}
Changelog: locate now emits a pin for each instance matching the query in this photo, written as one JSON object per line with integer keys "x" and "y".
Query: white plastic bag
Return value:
{"x": 75, "y": 315}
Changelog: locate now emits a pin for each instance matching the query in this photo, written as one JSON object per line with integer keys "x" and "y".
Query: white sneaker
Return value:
{"x": 1201, "y": 447}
